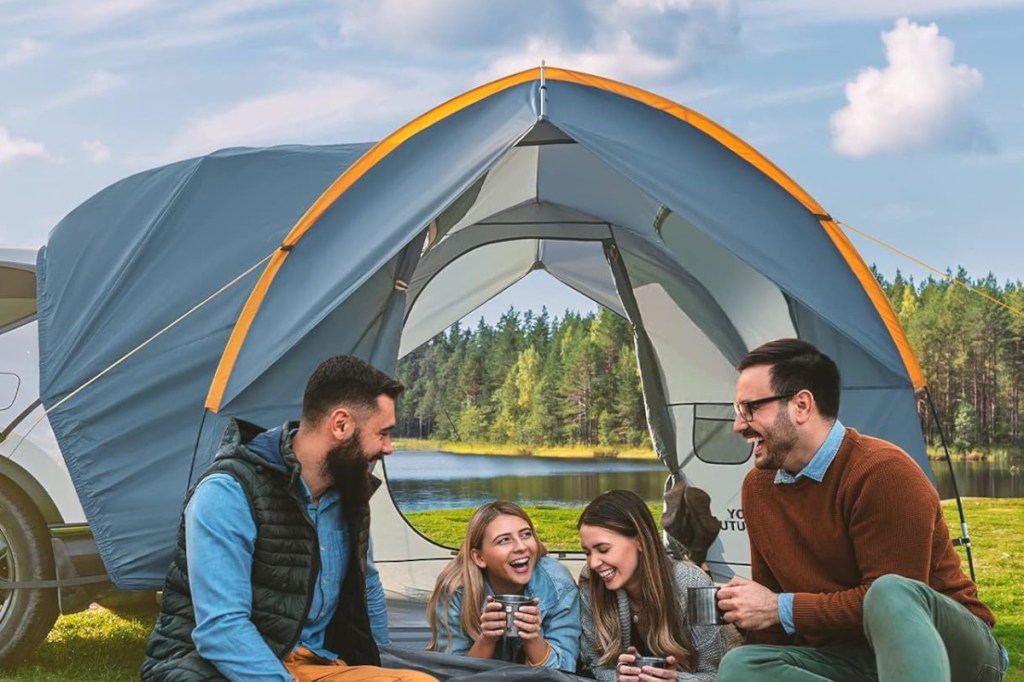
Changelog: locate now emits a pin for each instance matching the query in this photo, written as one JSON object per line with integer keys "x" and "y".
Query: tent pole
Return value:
{"x": 659, "y": 422}
{"x": 965, "y": 539}
{"x": 543, "y": 93}
{"x": 195, "y": 448}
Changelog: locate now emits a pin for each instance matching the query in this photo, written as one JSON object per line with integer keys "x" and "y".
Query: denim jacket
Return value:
{"x": 560, "y": 623}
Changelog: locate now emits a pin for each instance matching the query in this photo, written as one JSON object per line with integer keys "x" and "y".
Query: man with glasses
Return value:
{"x": 854, "y": 574}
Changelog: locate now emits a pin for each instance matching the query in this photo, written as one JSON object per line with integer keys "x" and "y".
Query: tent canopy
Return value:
{"x": 284, "y": 256}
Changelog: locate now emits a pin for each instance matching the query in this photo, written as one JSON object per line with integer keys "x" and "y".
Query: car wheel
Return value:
{"x": 27, "y": 615}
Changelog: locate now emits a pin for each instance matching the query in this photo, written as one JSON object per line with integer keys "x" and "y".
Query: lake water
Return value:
{"x": 1001, "y": 478}
{"x": 438, "y": 480}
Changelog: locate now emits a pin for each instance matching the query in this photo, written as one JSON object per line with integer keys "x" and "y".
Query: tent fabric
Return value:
{"x": 642, "y": 205}
{"x": 451, "y": 668}
{"x": 113, "y": 273}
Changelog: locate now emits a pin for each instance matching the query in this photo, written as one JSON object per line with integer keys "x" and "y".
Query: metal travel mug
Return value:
{"x": 702, "y": 606}
{"x": 511, "y": 604}
{"x": 652, "y": 661}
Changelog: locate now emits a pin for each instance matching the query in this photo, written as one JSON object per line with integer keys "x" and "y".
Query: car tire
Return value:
{"x": 26, "y": 616}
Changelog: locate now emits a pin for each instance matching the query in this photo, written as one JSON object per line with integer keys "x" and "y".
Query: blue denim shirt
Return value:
{"x": 220, "y": 538}
{"x": 815, "y": 470}
{"x": 560, "y": 618}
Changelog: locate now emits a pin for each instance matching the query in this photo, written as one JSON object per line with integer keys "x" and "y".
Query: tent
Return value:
{"x": 210, "y": 288}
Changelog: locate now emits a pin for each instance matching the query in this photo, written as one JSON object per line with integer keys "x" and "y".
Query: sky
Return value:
{"x": 901, "y": 118}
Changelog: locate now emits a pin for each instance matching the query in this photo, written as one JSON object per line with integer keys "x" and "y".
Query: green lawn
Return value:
{"x": 99, "y": 646}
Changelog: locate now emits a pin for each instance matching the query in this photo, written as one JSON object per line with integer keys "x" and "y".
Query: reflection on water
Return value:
{"x": 997, "y": 478}
{"x": 438, "y": 480}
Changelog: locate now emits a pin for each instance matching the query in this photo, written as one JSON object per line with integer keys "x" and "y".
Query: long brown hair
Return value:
{"x": 461, "y": 572}
{"x": 660, "y": 620}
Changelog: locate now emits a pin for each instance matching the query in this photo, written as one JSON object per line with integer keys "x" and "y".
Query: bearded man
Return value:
{"x": 854, "y": 574}
{"x": 270, "y": 579}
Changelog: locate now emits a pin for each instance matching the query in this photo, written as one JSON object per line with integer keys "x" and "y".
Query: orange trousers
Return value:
{"x": 305, "y": 666}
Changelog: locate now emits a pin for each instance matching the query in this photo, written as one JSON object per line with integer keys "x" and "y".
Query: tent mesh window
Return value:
{"x": 713, "y": 439}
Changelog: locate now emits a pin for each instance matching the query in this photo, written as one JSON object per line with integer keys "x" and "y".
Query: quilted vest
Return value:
{"x": 281, "y": 590}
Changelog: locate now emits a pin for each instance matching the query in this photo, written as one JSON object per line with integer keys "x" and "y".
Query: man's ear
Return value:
{"x": 805, "y": 406}
{"x": 341, "y": 423}
{"x": 477, "y": 559}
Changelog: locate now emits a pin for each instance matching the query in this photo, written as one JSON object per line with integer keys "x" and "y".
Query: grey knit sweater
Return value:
{"x": 707, "y": 639}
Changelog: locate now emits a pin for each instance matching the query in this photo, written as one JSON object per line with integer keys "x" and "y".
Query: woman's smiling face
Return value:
{"x": 507, "y": 554}
{"x": 612, "y": 557}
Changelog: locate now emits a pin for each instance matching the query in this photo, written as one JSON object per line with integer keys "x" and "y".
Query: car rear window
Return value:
{"x": 17, "y": 296}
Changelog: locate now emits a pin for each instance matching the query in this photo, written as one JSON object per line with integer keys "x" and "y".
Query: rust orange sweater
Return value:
{"x": 874, "y": 513}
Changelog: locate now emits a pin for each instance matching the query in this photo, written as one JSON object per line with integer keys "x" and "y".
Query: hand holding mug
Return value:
{"x": 528, "y": 619}
{"x": 748, "y": 605}
{"x": 492, "y": 620}
{"x": 656, "y": 668}
{"x": 626, "y": 670}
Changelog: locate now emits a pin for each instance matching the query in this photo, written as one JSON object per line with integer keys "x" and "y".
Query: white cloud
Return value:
{"x": 21, "y": 51}
{"x": 622, "y": 61}
{"x": 918, "y": 101}
{"x": 803, "y": 12}
{"x": 96, "y": 150}
{"x": 325, "y": 104}
{"x": 636, "y": 39}
{"x": 14, "y": 148}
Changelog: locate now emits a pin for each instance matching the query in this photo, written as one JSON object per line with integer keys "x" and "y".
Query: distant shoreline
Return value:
{"x": 519, "y": 450}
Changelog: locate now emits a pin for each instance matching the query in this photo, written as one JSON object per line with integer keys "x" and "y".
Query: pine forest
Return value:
{"x": 536, "y": 380}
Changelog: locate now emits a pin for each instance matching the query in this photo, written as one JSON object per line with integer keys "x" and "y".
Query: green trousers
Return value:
{"x": 913, "y": 632}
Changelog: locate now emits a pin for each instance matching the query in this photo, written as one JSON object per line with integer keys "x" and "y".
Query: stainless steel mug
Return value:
{"x": 653, "y": 661}
{"x": 511, "y": 604}
{"x": 702, "y": 606}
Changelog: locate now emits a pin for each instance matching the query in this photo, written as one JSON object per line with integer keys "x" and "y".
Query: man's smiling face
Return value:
{"x": 769, "y": 429}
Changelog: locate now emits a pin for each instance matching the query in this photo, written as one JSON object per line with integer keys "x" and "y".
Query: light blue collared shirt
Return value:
{"x": 815, "y": 470}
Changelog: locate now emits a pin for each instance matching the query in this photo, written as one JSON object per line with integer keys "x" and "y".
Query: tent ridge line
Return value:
{"x": 439, "y": 113}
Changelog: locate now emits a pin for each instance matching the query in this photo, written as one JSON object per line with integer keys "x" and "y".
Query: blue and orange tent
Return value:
{"x": 210, "y": 288}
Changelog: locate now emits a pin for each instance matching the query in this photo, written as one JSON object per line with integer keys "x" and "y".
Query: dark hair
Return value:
{"x": 344, "y": 380}
{"x": 661, "y": 622}
{"x": 795, "y": 366}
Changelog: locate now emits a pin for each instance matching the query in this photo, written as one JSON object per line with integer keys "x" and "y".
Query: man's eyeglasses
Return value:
{"x": 745, "y": 408}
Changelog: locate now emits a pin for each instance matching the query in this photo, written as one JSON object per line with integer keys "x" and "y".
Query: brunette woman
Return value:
{"x": 633, "y": 598}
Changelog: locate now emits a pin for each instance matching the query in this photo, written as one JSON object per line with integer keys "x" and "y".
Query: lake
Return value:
{"x": 981, "y": 479}
{"x": 439, "y": 480}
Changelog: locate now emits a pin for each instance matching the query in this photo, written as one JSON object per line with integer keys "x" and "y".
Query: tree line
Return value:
{"x": 538, "y": 380}
{"x": 530, "y": 379}
{"x": 971, "y": 348}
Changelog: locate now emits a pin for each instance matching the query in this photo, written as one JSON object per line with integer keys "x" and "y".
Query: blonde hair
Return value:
{"x": 462, "y": 573}
{"x": 660, "y": 621}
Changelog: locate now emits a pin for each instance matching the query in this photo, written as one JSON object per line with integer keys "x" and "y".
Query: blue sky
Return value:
{"x": 901, "y": 117}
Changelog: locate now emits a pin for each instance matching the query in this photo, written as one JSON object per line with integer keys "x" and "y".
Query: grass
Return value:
{"x": 512, "y": 449}
{"x": 92, "y": 646}
{"x": 100, "y": 646}
{"x": 997, "y": 536}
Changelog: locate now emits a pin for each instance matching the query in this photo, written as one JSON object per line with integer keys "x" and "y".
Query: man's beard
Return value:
{"x": 347, "y": 466}
{"x": 779, "y": 441}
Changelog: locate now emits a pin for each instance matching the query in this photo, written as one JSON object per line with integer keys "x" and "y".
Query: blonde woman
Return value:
{"x": 633, "y": 598}
{"x": 501, "y": 554}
